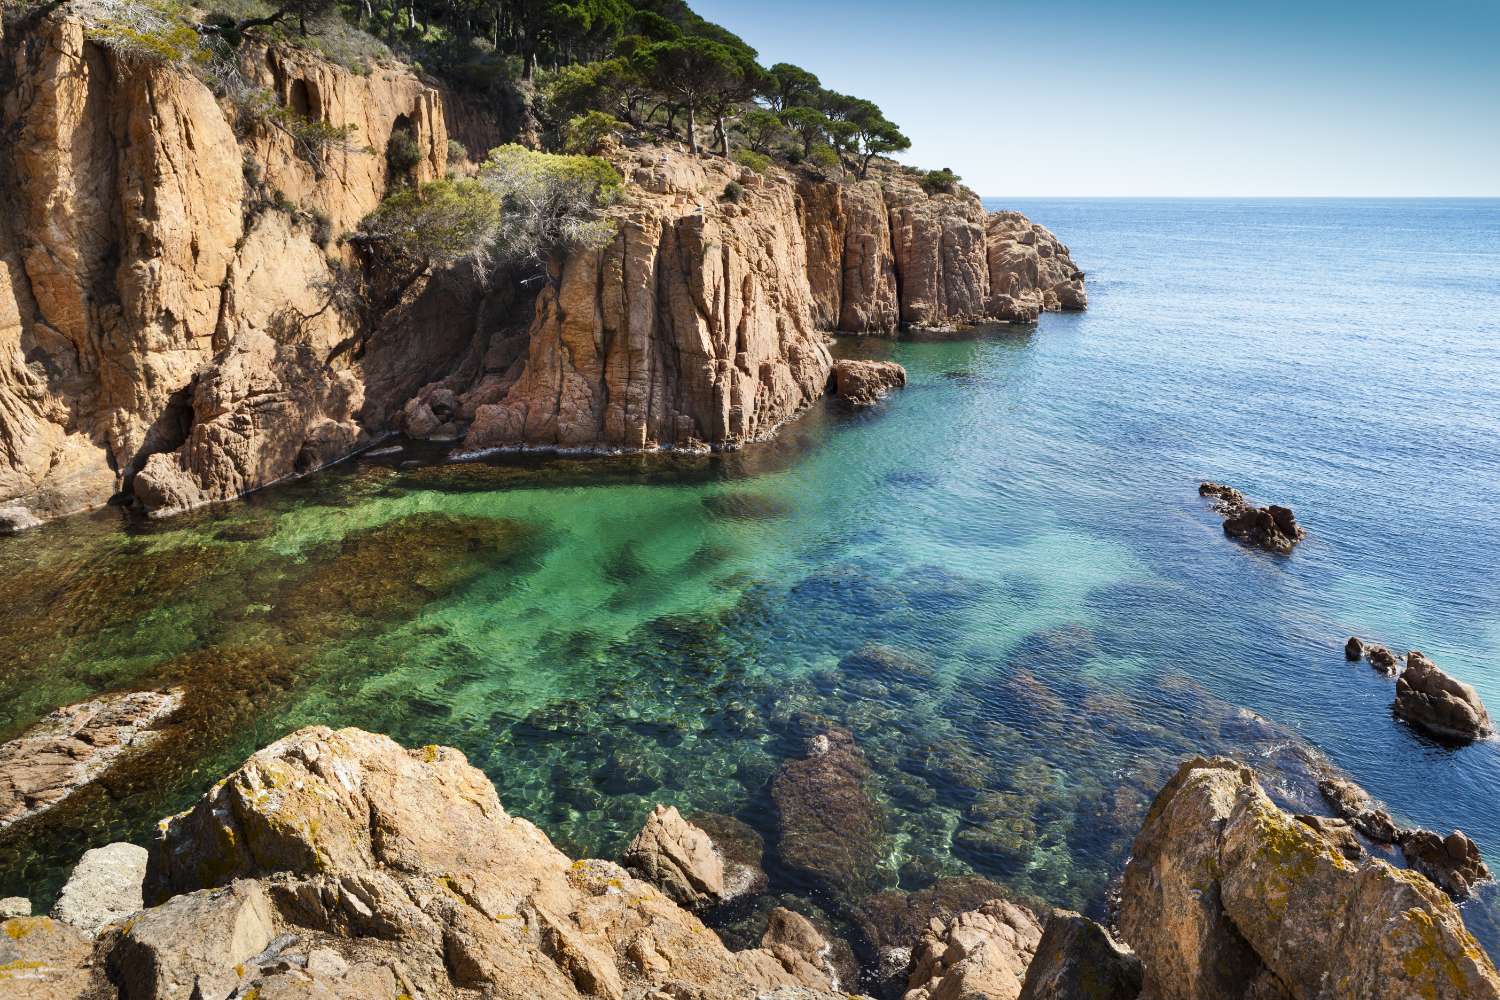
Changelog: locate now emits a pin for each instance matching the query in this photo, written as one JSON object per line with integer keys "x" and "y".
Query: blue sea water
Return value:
{"x": 1060, "y": 617}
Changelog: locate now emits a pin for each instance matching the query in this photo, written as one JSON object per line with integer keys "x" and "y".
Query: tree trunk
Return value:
{"x": 692, "y": 130}
{"x": 723, "y": 136}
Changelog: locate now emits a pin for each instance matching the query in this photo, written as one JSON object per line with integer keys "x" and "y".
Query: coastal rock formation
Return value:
{"x": 1354, "y": 649}
{"x": 1453, "y": 863}
{"x": 1227, "y": 896}
{"x": 1354, "y": 804}
{"x": 103, "y": 887}
{"x": 1272, "y": 528}
{"x": 76, "y": 745}
{"x": 173, "y": 330}
{"x": 338, "y": 864}
{"x": 830, "y": 828}
{"x": 982, "y": 953}
{"x": 679, "y": 859}
{"x": 893, "y": 921}
{"x": 864, "y": 383}
{"x": 1439, "y": 704}
{"x": 42, "y": 959}
{"x": 1076, "y": 959}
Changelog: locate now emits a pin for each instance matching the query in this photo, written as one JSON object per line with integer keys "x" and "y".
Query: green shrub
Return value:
{"x": 456, "y": 152}
{"x": 441, "y": 222}
{"x": 149, "y": 30}
{"x": 755, "y": 161}
{"x": 403, "y": 153}
{"x": 733, "y": 192}
{"x": 939, "y": 181}
{"x": 585, "y": 133}
{"x": 824, "y": 157}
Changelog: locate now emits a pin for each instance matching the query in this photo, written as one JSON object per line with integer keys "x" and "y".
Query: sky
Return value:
{"x": 1167, "y": 99}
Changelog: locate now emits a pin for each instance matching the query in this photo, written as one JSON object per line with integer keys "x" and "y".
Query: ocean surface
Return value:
{"x": 1002, "y": 580}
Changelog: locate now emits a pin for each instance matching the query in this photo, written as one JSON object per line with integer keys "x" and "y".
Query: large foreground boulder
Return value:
{"x": 679, "y": 859}
{"x": 1226, "y": 896}
{"x": 338, "y": 864}
{"x": 979, "y": 955}
{"x": 1433, "y": 701}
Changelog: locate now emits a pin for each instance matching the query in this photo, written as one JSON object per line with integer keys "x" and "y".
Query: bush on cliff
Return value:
{"x": 586, "y": 133}
{"x": 439, "y": 223}
{"x": 939, "y": 181}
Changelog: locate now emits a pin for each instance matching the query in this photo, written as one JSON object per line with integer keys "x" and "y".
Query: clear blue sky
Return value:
{"x": 1192, "y": 98}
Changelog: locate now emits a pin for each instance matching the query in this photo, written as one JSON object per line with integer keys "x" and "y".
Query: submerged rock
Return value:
{"x": 829, "y": 826}
{"x": 1076, "y": 959}
{"x": 104, "y": 886}
{"x": 864, "y": 383}
{"x": 982, "y": 953}
{"x": 74, "y": 746}
{"x": 1441, "y": 705}
{"x": 1226, "y": 896}
{"x": 1272, "y": 528}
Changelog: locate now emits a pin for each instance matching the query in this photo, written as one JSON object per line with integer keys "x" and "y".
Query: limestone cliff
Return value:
{"x": 169, "y": 332}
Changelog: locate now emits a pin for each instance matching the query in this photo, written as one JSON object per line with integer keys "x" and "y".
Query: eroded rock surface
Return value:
{"x": 1226, "y": 896}
{"x": 980, "y": 954}
{"x": 678, "y": 858}
{"x": 1439, "y": 704}
{"x": 104, "y": 886}
{"x": 1076, "y": 959}
{"x": 76, "y": 745}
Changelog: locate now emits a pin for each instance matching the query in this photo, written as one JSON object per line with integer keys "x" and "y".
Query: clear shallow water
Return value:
{"x": 1021, "y": 524}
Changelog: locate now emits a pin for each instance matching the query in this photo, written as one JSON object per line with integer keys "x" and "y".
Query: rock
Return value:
{"x": 1226, "y": 896}
{"x": 1439, "y": 704}
{"x": 830, "y": 828}
{"x": 1077, "y": 959}
{"x": 14, "y": 520}
{"x": 404, "y": 865}
{"x": 1272, "y": 528}
{"x": 105, "y": 886}
{"x": 893, "y": 921}
{"x": 75, "y": 745}
{"x": 979, "y": 955}
{"x": 741, "y": 848}
{"x": 1383, "y": 659}
{"x": 679, "y": 859}
{"x": 190, "y": 946}
{"x": 1354, "y": 804}
{"x": 802, "y": 949}
{"x": 1030, "y": 270}
{"x": 1338, "y": 832}
{"x": 1354, "y": 649}
{"x": 865, "y": 383}
{"x": 14, "y": 906}
{"x": 41, "y": 959}
{"x": 1453, "y": 863}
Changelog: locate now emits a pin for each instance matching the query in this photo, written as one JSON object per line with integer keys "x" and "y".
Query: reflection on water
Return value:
{"x": 1001, "y": 581}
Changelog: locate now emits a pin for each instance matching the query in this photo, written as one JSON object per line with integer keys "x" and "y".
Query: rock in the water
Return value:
{"x": 1077, "y": 959}
{"x": 14, "y": 520}
{"x": 1226, "y": 896}
{"x": 864, "y": 383}
{"x": 402, "y": 873}
{"x": 1433, "y": 701}
{"x": 803, "y": 951}
{"x": 1272, "y": 528}
{"x": 1354, "y": 804}
{"x": 979, "y": 955}
{"x": 1453, "y": 863}
{"x": 1383, "y": 659}
{"x": 1354, "y": 649}
{"x": 679, "y": 859}
{"x": 742, "y": 849}
{"x": 41, "y": 959}
{"x": 14, "y": 906}
{"x": 74, "y": 746}
{"x": 830, "y": 828}
{"x": 893, "y": 921}
{"x": 105, "y": 886}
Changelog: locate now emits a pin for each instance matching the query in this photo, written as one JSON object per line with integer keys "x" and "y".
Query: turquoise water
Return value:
{"x": 1020, "y": 525}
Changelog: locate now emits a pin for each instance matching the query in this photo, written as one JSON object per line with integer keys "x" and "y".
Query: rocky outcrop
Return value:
{"x": 1354, "y": 804}
{"x": 1030, "y": 270}
{"x": 76, "y": 745}
{"x": 1226, "y": 896}
{"x": 338, "y": 864}
{"x": 830, "y": 827}
{"x": 1439, "y": 704}
{"x": 1076, "y": 959}
{"x": 865, "y": 383}
{"x": 104, "y": 886}
{"x": 980, "y": 954}
{"x": 1453, "y": 863}
{"x": 679, "y": 859}
{"x": 1272, "y": 528}
{"x": 42, "y": 959}
{"x": 1380, "y": 658}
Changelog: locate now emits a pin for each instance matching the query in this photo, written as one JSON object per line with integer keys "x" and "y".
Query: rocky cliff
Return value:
{"x": 170, "y": 331}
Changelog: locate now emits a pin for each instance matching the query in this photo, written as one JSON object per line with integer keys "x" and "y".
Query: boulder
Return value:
{"x": 830, "y": 828}
{"x": 1076, "y": 959}
{"x": 74, "y": 746}
{"x": 194, "y": 945}
{"x": 742, "y": 849}
{"x": 1439, "y": 704}
{"x": 864, "y": 383}
{"x": 105, "y": 886}
{"x": 893, "y": 920}
{"x": 1226, "y": 897}
{"x": 1383, "y": 659}
{"x": 14, "y": 906}
{"x": 1354, "y": 649}
{"x": 41, "y": 959}
{"x": 1453, "y": 863}
{"x": 1354, "y": 804}
{"x": 979, "y": 955}
{"x": 679, "y": 859}
{"x": 1272, "y": 528}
